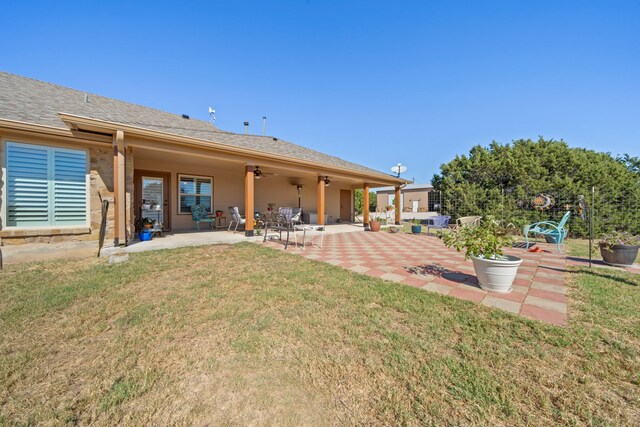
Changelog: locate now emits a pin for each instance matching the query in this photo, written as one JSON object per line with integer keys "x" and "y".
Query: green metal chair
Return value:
{"x": 553, "y": 230}
{"x": 199, "y": 214}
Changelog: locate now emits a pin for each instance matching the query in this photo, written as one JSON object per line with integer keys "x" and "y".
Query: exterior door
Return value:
{"x": 415, "y": 205}
{"x": 152, "y": 196}
{"x": 345, "y": 205}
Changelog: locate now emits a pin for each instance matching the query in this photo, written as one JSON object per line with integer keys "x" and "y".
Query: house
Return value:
{"x": 414, "y": 198}
{"x": 64, "y": 151}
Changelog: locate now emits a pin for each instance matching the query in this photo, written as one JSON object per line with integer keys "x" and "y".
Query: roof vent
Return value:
{"x": 275, "y": 139}
{"x": 185, "y": 116}
{"x": 86, "y": 98}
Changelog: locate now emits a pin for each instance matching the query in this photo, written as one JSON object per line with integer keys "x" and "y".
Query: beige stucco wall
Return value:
{"x": 408, "y": 197}
{"x": 100, "y": 178}
{"x": 422, "y": 196}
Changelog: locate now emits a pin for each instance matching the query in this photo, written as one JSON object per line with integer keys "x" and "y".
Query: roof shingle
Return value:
{"x": 33, "y": 101}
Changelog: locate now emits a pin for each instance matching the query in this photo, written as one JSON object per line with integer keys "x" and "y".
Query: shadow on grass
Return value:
{"x": 601, "y": 271}
{"x": 437, "y": 270}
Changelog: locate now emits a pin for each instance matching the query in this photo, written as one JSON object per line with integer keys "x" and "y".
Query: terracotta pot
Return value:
{"x": 218, "y": 214}
{"x": 374, "y": 225}
{"x": 148, "y": 225}
{"x": 619, "y": 255}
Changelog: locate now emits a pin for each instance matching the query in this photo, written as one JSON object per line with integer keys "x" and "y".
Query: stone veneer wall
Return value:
{"x": 101, "y": 184}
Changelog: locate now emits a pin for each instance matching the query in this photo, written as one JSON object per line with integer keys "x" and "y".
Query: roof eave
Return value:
{"x": 102, "y": 126}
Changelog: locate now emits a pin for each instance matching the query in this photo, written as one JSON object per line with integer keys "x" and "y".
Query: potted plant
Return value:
{"x": 375, "y": 223}
{"x": 389, "y": 208}
{"x": 147, "y": 222}
{"x": 218, "y": 213}
{"x": 483, "y": 244}
{"x": 270, "y": 206}
{"x": 146, "y": 205}
{"x": 257, "y": 226}
{"x": 619, "y": 248}
{"x": 416, "y": 228}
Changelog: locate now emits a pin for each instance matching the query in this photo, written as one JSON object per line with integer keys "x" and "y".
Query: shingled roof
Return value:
{"x": 33, "y": 101}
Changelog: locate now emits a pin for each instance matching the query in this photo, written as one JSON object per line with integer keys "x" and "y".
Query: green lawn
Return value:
{"x": 235, "y": 335}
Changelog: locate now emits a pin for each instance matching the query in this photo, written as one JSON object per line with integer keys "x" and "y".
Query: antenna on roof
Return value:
{"x": 264, "y": 125}
{"x": 398, "y": 169}
{"x": 212, "y": 113}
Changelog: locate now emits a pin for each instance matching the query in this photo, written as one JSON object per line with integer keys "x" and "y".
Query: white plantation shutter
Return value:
{"x": 45, "y": 186}
{"x": 69, "y": 187}
{"x": 27, "y": 185}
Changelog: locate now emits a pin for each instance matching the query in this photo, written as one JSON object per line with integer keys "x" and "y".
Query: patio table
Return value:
{"x": 314, "y": 229}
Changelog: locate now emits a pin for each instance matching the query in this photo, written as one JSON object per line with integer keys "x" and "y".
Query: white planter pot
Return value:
{"x": 496, "y": 275}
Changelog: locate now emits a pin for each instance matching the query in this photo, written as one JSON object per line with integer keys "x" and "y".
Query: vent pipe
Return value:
{"x": 264, "y": 125}
{"x": 246, "y": 128}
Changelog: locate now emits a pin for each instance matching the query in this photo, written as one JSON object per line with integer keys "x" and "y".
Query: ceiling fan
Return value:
{"x": 258, "y": 174}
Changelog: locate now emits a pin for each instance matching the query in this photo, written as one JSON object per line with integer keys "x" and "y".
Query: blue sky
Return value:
{"x": 373, "y": 82}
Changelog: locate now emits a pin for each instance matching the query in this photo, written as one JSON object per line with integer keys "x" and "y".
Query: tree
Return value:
{"x": 359, "y": 200}
{"x": 502, "y": 180}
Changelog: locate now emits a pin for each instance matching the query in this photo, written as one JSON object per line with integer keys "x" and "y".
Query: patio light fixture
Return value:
{"x": 327, "y": 181}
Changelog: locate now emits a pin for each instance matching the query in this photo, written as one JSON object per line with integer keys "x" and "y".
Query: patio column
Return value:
{"x": 119, "y": 193}
{"x": 321, "y": 186}
{"x": 248, "y": 199}
{"x": 365, "y": 205}
{"x": 397, "y": 203}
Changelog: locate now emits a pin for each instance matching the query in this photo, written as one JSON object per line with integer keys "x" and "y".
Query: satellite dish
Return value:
{"x": 212, "y": 113}
{"x": 398, "y": 169}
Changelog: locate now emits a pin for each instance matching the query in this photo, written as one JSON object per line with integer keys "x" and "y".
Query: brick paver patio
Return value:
{"x": 539, "y": 290}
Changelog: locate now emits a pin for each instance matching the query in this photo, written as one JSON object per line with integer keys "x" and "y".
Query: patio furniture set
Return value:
{"x": 284, "y": 221}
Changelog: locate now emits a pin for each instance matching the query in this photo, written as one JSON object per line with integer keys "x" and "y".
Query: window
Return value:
{"x": 194, "y": 190}
{"x": 45, "y": 186}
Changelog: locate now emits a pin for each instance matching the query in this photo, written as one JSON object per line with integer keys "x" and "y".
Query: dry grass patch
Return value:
{"x": 235, "y": 335}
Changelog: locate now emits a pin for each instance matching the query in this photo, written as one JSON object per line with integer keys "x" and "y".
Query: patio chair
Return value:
{"x": 554, "y": 232}
{"x": 235, "y": 218}
{"x": 468, "y": 221}
{"x": 199, "y": 214}
{"x": 278, "y": 222}
{"x": 438, "y": 221}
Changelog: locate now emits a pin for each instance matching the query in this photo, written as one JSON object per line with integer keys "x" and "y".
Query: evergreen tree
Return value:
{"x": 502, "y": 180}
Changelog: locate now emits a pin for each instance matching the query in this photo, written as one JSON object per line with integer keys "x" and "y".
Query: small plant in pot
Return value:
{"x": 483, "y": 244}
{"x": 619, "y": 248}
{"x": 147, "y": 222}
{"x": 218, "y": 213}
{"x": 416, "y": 228}
{"x": 375, "y": 223}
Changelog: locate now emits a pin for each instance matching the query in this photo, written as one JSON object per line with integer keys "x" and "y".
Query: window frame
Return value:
{"x": 6, "y": 143}
{"x": 189, "y": 175}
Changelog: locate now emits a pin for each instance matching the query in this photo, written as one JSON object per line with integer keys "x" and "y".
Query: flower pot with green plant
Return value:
{"x": 483, "y": 244}
{"x": 389, "y": 208}
{"x": 619, "y": 248}
{"x": 270, "y": 206}
{"x": 416, "y": 227}
{"x": 375, "y": 223}
{"x": 147, "y": 222}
